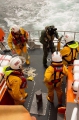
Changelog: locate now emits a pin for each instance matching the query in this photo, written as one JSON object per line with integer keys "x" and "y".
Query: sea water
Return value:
{"x": 35, "y": 15}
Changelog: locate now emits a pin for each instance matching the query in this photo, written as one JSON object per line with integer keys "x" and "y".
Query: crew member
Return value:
{"x": 53, "y": 77}
{"x": 47, "y": 37}
{"x": 16, "y": 81}
{"x": 17, "y": 40}
{"x": 70, "y": 50}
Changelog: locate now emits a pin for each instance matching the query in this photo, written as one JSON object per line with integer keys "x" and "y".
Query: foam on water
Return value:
{"x": 35, "y": 15}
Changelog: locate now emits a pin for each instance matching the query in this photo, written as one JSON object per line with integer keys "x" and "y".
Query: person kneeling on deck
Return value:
{"x": 53, "y": 77}
{"x": 70, "y": 50}
{"x": 17, "y": 40}
{"x": 16, "y": 81}
{"x": 46, "y": 38}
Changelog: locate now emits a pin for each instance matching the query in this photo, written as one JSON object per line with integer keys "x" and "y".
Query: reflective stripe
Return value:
{"x": 7, "y": 72}
{"x": 75, "y": 45}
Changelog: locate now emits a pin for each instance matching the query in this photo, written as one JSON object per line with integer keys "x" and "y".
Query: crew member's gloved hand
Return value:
{"x": 45, "y": 80}
{"x": 48, "y": 46}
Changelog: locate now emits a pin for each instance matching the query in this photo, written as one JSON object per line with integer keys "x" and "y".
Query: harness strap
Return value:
{"x": 21, "y": 38}
{"x": 72, "y": 59}
{"x": 60, "y": 70}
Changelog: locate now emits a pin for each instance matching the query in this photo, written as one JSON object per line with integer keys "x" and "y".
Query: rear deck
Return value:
{"x": 49, "y": 111}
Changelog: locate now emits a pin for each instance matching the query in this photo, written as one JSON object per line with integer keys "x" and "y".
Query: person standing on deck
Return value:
{"x": 46, "y": 38}
{"x": 17, "y": 40}
{"x": 16, "y": 81}
{"x": 53, "y": 77}
{"x": 70, "y": 50}
{"x": 69, "y": 54}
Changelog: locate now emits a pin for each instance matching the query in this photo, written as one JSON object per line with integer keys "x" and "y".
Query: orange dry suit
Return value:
{"x": 18, "y": 42}
{"x": 70, "y": 52}
{"x": 16, "y": 83}
{"x": 53, "y": 78}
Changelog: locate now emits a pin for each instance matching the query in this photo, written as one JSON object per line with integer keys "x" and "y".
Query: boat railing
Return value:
{"x": 34, "y": 36}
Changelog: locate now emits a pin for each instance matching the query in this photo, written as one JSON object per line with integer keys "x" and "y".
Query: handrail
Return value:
{"x": 31, "y": 33}
{"x": 34, "y": 36}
